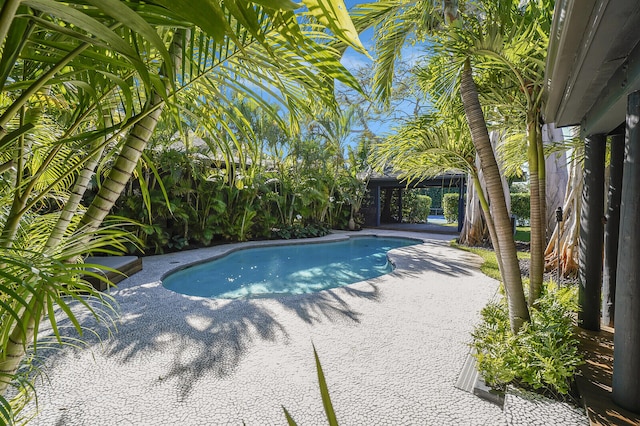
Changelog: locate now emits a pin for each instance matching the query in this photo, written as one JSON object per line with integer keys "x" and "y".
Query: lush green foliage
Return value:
{"x": 296, "y": 230}
{"x": 415, "y": 207}
{"x": 542, "y": 355}
{"x": 520, "y": 205}
{"x": 450, "y": 207}
{"x": 190, "y": 201}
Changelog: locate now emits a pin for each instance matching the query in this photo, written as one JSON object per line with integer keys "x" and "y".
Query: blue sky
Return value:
{"x": 353, "y": 60}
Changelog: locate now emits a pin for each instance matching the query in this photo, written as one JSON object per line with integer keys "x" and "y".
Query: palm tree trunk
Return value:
{"x": 536, "y": 268}
{"x": 518, "y": 311}
{"x": 490, "y": 224}
{"x": 131, "y": 152}
{"x": 82, "y": 182}
{"x": 542, "y": 190}
{"x": 15, "y": 350}
{"x": 20, "y": 337}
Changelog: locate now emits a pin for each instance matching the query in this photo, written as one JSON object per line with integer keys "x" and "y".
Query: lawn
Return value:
{"x": 523, "y": 233}
{"x": 490, "y": 265}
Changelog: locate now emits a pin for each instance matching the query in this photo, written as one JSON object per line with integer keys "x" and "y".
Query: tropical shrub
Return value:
{"x": 415, "y": 207}
{"x": 520, "y": 205}
{"x": 188, "y": 201}
{"x": 298, "y": 230}
{"x": 543, "y": 355}
{"x": 450, "y": 207}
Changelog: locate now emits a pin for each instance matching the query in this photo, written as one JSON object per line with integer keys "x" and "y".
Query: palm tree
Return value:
{"x": 511, "y": 41}
{"x": 81, "y": 56}
{"x": 403, "y": 18}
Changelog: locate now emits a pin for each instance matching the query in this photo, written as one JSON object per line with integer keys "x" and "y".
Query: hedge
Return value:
{"x": 520, "y": 205}
{"x": 450, "y": 207}
{"x": 415, "y": 207}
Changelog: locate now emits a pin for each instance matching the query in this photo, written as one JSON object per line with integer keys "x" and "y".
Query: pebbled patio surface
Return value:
{"x": 391, "y": 348}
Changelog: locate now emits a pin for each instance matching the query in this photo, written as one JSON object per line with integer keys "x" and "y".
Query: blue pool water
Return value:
{"x": 287, "y": 269}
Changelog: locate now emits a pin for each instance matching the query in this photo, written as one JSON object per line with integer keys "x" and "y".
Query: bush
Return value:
{"x": 287, "y": 232}
{"x": 415, "y": 207}
{"x": 520, "y": 205}
{"x": 450, "y": 207}
{"x": 543, "y": 355}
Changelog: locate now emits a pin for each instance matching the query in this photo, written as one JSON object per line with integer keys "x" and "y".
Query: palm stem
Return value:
{"x": 82, "y": 182}
{"x": 131, "y": 151}
{"x": 537, "y": 259}
{"x": 8, "y": 12}
{"x": 518, "y": 311}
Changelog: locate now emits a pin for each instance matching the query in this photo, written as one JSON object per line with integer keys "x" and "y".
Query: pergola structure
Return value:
{"x": 593, "y": 81}
{"x": 382, "y": 185}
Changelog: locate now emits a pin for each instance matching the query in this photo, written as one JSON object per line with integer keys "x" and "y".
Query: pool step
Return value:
{"x": 126, "y": 265}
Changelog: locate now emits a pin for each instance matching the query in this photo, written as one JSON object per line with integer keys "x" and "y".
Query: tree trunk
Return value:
{"x": 131, "y": 152}
{"x": 536, "y": 268}
{"x": 556, "y": 177}
{"x": 82, "y": 182}
{"x": 17, "y": 342}
{"x": 518, "y": 311}
{"x": 474, "y": 232}
{"x": 569, "y": 228}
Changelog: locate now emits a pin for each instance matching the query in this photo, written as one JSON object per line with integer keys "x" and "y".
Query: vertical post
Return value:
{"x": 626, "y": 343}
{"x": 611, "y": 229}
{"x": 461, "y": 204}
{"x": 591, "y": 233}
{"x": 399, "y": 205}
{"x": 377, "y": 202}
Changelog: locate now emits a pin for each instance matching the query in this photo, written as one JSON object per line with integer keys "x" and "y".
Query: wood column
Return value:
{"x": 591, "y": 233}
{"x": 461, "y": 205}
{"x": 376, "y": 197}
{"x": 626, "y": 355}
{"x": 611, "y": 228}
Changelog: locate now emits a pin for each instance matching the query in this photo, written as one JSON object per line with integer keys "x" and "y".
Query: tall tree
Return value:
{"x": 511, "y": 40}
{"x": 419, "y": 18}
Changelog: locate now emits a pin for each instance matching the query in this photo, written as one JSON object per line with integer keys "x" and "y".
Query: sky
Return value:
{"x": 353, "y": 60}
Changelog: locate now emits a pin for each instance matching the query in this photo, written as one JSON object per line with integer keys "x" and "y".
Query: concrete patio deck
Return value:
{"x": 392, "y": 349}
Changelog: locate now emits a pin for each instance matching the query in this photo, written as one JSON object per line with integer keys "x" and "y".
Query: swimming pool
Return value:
{"x": 287, "y": 269}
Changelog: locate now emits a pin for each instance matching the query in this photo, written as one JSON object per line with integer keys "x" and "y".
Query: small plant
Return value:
{"x": 543, "y": 355}
{"x": 324, "y": 392}
{"x": 298, "y": 230}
